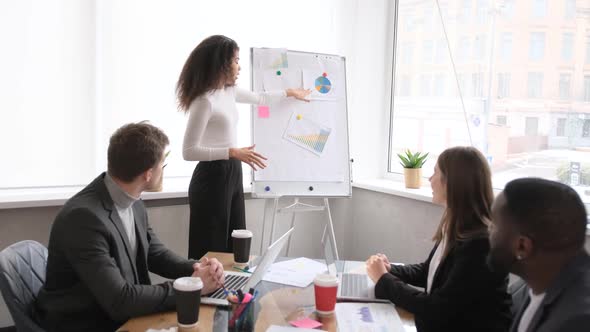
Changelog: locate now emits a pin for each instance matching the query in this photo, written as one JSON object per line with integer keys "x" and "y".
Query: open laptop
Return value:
{"x": 245, "y": 281}
{"x": 356, "y": 287}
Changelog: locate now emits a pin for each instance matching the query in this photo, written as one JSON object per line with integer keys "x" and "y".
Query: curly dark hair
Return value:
{"x": 207, "y": 65}
{"x": 135, "y": 148}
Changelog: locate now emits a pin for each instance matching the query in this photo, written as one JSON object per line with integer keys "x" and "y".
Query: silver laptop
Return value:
{"x": 245, "y": 281}
{"x": 356, "y": 287}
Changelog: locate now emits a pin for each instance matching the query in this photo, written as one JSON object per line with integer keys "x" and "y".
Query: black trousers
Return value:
{"x": 216, "y": 199}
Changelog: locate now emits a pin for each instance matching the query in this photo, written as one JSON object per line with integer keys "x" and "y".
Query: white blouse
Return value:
{"x": 213, "y": 118}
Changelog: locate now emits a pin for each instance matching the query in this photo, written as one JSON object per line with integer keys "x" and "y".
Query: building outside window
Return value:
{"x": 520, "y": 93}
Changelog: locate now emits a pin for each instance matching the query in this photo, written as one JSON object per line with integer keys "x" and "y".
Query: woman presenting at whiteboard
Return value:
{"x": 206, "y": 90}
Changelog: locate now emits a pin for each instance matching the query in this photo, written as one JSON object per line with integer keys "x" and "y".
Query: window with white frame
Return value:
{"x": 74, "y": 71}
{"x": 565, "y": 86}
{"x": 427, "y": 51}
{"x": 535, "y": 84}
{"x": 531, "y": 126}
{"x": 465, "y": 11}
{"x": 560, "y": 130}
{"x": 479, "y": 47}
{"x": 438, "y": 89}
{"x": 586, "y": 128}
{"x": 477, "y": 84}
{"x": 407, "y": 53}
{"x": 483, "y": 11}
{"x": 570, "y": 9}
{"x": 506, "y": 46}
{"x": 506, "y": 94}
{"x": 507, "y": 9}
{"x": 503, "y": 85}
{"x": 567, "y": 46}
{"x": 463, "y": 48}
{"x": 586, "y": 96}
{"x": 441, "y": 51}
{"x": 539, "y": 8}
{"x": 537, "y": 46}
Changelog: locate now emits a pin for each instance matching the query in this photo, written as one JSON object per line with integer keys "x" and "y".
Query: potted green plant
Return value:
{"x": 412, "y": 164}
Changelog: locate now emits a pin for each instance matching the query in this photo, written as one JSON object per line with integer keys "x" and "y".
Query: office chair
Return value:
{"x": 22, "y": 274}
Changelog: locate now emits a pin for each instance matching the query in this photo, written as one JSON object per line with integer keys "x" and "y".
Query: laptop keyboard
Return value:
{"x": 232, "y": 282}
{"x": 354, "y": 285}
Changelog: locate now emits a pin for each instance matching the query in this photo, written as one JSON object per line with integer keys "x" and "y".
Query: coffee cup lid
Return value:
{"x": 325, "y": 280}
{"x": 241, "y": 233}
{"x": 188, "y": 284}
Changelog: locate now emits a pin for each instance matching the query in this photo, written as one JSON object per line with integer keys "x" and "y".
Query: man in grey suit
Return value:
{"x": 101, "y": 245}
{"x": 537, "y": 232}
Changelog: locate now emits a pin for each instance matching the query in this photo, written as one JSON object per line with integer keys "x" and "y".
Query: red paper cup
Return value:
{"x": 325, "y": 289}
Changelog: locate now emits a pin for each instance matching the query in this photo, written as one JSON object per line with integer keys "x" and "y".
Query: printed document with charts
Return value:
{"x": 368, "y": 317}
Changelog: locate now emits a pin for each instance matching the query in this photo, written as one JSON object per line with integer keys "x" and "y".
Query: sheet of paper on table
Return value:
{"x": 368, "y": 317}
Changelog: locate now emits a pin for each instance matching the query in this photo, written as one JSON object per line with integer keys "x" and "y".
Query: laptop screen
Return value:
{"x": 268, "y": 258}
{"x": 328, "y": 252}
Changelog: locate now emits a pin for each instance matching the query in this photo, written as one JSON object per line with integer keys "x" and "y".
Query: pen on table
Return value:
{"x": 242, "y": 270}
{"x": 225, "y": 291}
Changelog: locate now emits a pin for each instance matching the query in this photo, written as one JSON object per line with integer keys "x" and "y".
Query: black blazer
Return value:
{"x": 93, "y": 283}
{"x": 465, "y": 294}
{"x": 566, "y": 305}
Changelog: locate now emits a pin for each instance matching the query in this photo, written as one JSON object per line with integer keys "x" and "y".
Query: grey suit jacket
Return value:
{"x": 93, "y": 283}
{"x": 566, "y": 306}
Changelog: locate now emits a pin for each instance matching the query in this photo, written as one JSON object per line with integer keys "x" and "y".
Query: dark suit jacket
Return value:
{"x": 93, "y": 283}
{"x": 566, "y": 306}
{"x": 465, "y": 294}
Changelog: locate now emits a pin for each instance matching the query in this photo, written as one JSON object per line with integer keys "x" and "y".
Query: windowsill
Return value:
{"x": 176, "y": 187}
{"x": 394, "y": 187}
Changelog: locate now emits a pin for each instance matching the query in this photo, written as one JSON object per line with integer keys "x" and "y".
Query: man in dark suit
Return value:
{"x": 101, "y": 245}
{"x": 538, "y": 231}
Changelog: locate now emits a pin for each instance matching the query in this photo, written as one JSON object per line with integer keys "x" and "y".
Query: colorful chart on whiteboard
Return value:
{"x": 323, "y": 84}
{"x": 307, "y": 134}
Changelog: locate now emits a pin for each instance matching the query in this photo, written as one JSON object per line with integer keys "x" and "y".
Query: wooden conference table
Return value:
{"x": 278, "y": 305}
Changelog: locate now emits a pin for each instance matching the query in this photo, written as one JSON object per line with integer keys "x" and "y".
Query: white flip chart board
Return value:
{"x": 306, "y": 143}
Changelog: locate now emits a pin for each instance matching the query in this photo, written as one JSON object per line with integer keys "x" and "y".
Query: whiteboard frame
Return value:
{"x": 302, "y": 188}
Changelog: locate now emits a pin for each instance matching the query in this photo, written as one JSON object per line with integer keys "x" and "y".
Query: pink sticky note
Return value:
{"x": 263, "y": 112}
{"x": 306, "y": 323}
